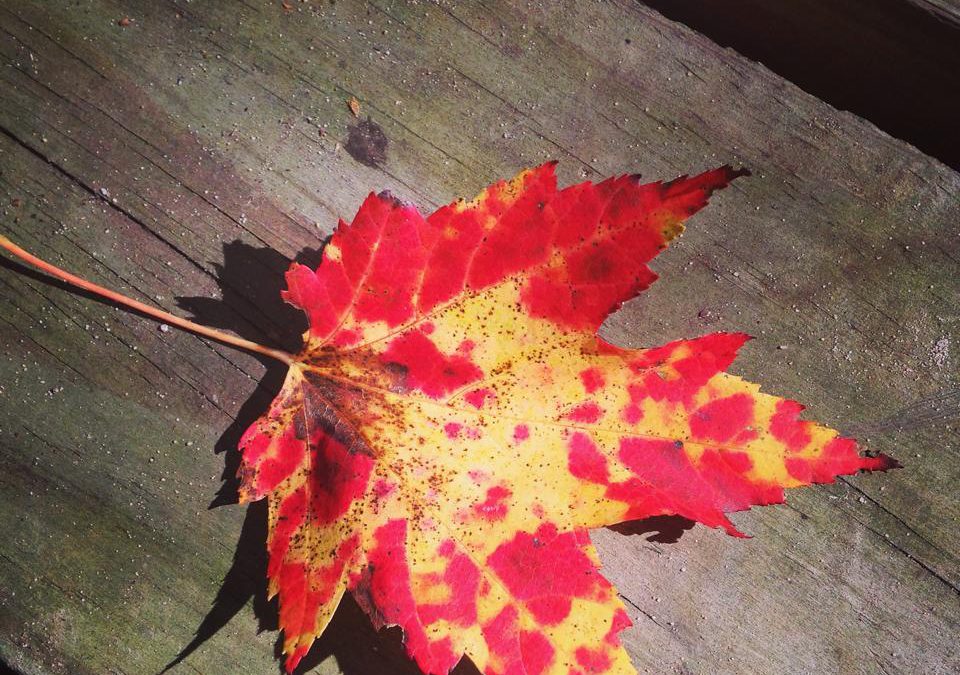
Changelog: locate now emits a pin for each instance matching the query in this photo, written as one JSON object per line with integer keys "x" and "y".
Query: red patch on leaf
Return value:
{"x": 550, "y": 610}
{"x": 710, "y": 354}
{"x": 631, "y": 413}
{"x": 388, "y": 273}
{"x": 619, "y": 623}
{"x": 839, "y": 457}
{"x": 444, "y": 275}
{"x": 592, "y": 379}
{"x": 463, "y": 577}
{"x": 420, "y": 365}
{"x": 586, "y": 461}
{"x": 537, "y": 652}
{"x": 493, "y": 508}
{"x": 587, "y": 413}
{"x": 786, "y": 428}
{"x": 518, "y": 652}
{"x": 681, "y": 487}
{"x": 498, "y": 632}
{"x": 478, "y": 397}
{"x": 268, "y": 467}
{"x": 522, "y": 234}
{"x": 799, "y": 468}
{"x": 337, "y": 478}
{"x": 305, "y": 590}
{"x": 346, "y": 338}
{"x": 732, "y": 491}
{"x": 654, "y": 356}
{"x": 393, "y": 274}
{"x": 291, "y": 516}
{"x": 521, "y": 432}
{"x": 683, "y": 377}
{"x": 546, "y": 564}
{"x": 738, "y": 461}
{"x": 722, "y": 419}
{"x": 593, "y": 660}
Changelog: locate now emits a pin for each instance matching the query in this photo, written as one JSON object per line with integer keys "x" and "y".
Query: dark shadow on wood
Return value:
{"x": 246, "y": 579}
{"x": 665, "y": 529}
{"x": 251, "y": 280}
{"x": 888, "y": 61}
{"x": 361, "y": 650}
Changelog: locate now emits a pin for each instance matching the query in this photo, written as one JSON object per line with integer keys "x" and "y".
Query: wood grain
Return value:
{"x": 183, "y": 159}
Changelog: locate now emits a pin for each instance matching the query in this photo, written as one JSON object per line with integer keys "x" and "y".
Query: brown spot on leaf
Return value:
{"x": 398, "y": 374}
{"x": 300, "y": 427}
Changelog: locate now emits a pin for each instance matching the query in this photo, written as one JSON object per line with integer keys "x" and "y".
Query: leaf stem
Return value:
{"x": 152, "y": 312}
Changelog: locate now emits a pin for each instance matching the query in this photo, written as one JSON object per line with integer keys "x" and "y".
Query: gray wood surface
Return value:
{"x": 184, "y": 157}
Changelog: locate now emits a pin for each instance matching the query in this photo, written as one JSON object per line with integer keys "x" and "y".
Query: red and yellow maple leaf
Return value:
{"x": 454, "y": 425}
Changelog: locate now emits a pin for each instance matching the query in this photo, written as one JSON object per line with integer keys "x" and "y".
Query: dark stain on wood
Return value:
{"x": 367, "y": 143}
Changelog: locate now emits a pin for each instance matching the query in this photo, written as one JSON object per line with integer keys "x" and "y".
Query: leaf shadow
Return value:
{"x": 251, "y": 280}
{"x": 360, "y": 649}
{"x": 664, "y": 529}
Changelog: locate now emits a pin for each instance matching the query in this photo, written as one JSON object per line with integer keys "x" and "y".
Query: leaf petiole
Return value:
{"x": 138, "y": 306}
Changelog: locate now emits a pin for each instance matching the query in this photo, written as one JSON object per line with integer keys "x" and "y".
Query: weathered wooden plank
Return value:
{"x": 202, "y": 124}
{"x": 946, "y": 10}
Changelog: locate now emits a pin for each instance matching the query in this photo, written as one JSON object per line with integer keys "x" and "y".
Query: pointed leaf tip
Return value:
{"x": 704, "y": 184}
{"x": 294, "y": 658}
{"x": 880, "y": 462}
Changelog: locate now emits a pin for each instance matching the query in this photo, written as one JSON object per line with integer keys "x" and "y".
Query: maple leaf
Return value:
{"x": 454, "y": 425}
